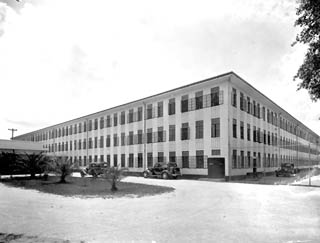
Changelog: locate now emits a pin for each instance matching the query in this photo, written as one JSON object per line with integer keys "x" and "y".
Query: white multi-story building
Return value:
{"x": 218, "y": 127}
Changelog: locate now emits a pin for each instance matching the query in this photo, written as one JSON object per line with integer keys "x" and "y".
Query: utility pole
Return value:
{"x": 12, "y": 131}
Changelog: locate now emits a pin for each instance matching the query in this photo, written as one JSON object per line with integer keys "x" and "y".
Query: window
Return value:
{"x": 84, "y": 143}
{"x": 90, "y": 143}
{"x": 149, "y": 111}
{"x": 90, "y": 158}
{"x": 101, "y": 141}
{"x": 115, "y": 160}
{"x": 70, "y": 130}
{"x": 80, "y": 127}
{"x": 199, "y": 129}
{"x": 241, "y": 101}
{"x": 242, "y": 159}
{"x": 95, "y": 124}
{"x": 172, "y": 107}
{"x": 108, "y": 121}
{"x": 90, "y": 125}
{"x": 254, "y": 108}
{"x": 108, "y": 141}
{"x": 215, "y": 127}
{"x": 215, "y": 96}
{"x": 123, "y": 138}
{"x": 130, "y": 116}
{"x": 199, "y": 100}
{"x": 84, "y": 160}
{"x": 101, "y": 158}
{"x": 172, "y": 132}
{"x": 234, "y": 97}
{"x": 199, "y": 159}
{"x": 160, "y": 109}
{"x": 263, "y": 113}
{"x": 115, "y": 140}
{"x": 184, "y": 103}
{"x": 75, "y": 129}
{"x": 74, "y": 145}
{"x": 249, "y": 159}
{"x": 149, "y": 135}
{"x": 254, "y": 134}
{"x": 234, "y": 158}
{"x": 172, "y": 156}
{"x": 268, "y": 138}
{"x": 139, "y": 136}
{"x": 234, "y": 126}
{"x": 185, "y": 131}
{"x": 123, "y": 118}
{"x": 241, "y": 130}
{"x": 70, "y": 146}
{"x": 131, "y": 138}
{"x": 115, "y": 119}
{"x": 96, "y": 158}
{"x": 264, "y": 137}
{"x": 108, "y": 159}
{"x": 123, "y": 160}
{"x": 149, "y": 159}
{"x": 248, "y": 105}
{"x": 84, "y": 127}
{"x": 131, "y": 160}
{"x": 140, "y": 160}
{"x": 95, "y": 142}
{"x": 248, "y": 132}
{"x": 259, "y": 135}
{"x": 140, "y": 114}
{"x": 185, "y": 159}
{"x": 79, "y": 144}
{"x": 160, "y": 157}
{"x": 63, "y": 132}
{"x": 215, "y": 152}
{"x": 101, "y": 123}
{"x": 160, "y": 135}
{"x": 258, "y": 111}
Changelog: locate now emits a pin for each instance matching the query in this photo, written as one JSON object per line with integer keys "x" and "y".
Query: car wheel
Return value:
{"x": 145, "y": 174}
{"x": 165, "y": 176}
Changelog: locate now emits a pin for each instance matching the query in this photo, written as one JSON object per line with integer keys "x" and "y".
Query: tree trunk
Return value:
{"x": 114, "y": 187}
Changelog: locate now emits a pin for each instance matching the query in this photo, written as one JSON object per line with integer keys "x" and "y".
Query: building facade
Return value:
{"x": 218, "y": 127}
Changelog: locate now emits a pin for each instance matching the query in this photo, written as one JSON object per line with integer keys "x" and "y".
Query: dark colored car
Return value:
{"x": 286, "y": 169}
{"x": 96, "y": 169}
{"x": 164, "y": 171}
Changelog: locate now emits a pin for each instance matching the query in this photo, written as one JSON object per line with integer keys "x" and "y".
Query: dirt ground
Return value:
{"x": 197, "y": 211}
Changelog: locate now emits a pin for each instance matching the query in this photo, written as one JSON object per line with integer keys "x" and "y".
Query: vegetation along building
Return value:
{"x": 218, "y": 127}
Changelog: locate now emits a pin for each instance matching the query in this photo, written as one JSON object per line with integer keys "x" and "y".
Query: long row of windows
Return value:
{"x": 200, "y": 101}
{"x": 252, "y": 107}
{"x": 138, "y": 138}
{"x": 136, "y": 161}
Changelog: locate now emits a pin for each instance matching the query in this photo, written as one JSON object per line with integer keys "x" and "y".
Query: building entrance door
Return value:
{"x": 216, "y": 168}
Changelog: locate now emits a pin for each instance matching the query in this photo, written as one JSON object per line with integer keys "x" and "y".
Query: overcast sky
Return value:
{"x": 60, "y": 60}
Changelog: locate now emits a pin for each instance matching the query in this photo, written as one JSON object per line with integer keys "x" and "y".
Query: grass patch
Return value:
{"x": 87, "y": 187}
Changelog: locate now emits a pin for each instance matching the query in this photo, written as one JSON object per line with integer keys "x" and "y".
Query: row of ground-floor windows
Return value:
{"x": 254, "y": 160}
{"x": 136, "y": 160}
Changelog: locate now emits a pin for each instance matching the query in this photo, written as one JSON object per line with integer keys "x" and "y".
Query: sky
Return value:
{"x": 60, "y": 60}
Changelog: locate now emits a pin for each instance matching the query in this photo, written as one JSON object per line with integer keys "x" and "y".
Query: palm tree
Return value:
{"x": 113, "y": 175}
{"x": 33, "y": 163}
{"x": 8, "y": 162}
{"x": 64, "y": 167}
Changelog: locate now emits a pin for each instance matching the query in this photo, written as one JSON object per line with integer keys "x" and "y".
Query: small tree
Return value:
{"x": 33, "y": 163}
{"x": 64, "y": 167}
{"x": 113, "y": 175}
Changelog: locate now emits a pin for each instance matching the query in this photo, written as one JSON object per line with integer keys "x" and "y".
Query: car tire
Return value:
{"x": 145, "y": 174}
{"x": 165, "y": 176}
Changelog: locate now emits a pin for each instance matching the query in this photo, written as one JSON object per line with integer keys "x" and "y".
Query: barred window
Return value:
{"x": 215, "y": 127}
{"x": 199, "y": 159}
{"x": 199, "y": 100}
{"x": 199, "y": 129}
{"x": 215, "y": 96}
{"x": 160, "y": 135}
{"x": 172, "y": 132}
{"x": 185, "y": 159}
{"x": 185, "y": 131}
{"x": 184, "y": 103}
{"x": 172, "y": 107}
{"x": 172, "y": 156}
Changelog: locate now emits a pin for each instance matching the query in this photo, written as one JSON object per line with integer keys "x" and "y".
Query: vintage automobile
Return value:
{"x": 164, "y": 171}
{"x": 286, "y": 169}
{"x": 96, "y": 169}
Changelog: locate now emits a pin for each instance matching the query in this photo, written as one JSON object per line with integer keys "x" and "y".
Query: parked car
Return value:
{"x": 96, "y": 169}
{"x": 286, "y": 169}
{"x": 164, "y": 171}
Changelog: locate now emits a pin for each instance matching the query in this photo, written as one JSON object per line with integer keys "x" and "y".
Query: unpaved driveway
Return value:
{"x": 198, "y": 211}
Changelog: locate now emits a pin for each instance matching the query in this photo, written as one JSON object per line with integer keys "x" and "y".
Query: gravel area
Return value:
{"x": 197, "y": 211}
